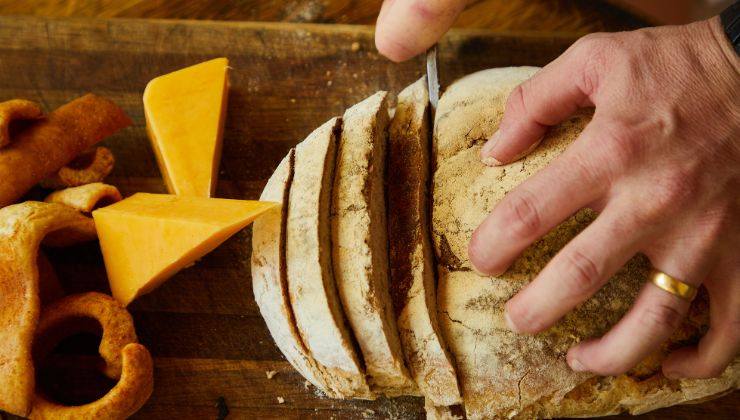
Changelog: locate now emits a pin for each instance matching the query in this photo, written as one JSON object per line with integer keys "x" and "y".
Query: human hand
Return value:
{"x": 660, "y": 162}
{"x": 406, "y": 28}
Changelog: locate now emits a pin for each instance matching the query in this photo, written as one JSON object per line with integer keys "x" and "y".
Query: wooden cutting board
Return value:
{"x": 211, "y": 348}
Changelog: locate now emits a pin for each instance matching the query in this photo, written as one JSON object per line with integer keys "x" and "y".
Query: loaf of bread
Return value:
{"x": 412, "y": 283}
{"x": 504, "y": 374}
{"x": 312, "y": 290}
{"x": 360, "y": 244}
{"x": 494, "y": 372}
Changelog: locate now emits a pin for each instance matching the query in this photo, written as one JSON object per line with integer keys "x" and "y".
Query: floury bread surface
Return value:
{"x": 412, "y": 283}
{"x": 313, "y": 294}
{"x": 505, "y": 374}
{"x": 360, "y": 244}
{"x": 269, "y": 276}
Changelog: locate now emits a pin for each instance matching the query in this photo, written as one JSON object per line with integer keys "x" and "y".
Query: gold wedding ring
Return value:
{"x": 673, "y": 285}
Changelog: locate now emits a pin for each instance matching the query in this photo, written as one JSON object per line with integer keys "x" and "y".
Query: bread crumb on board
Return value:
{"x": 270, "y": 374}
{"x": 281, "y": 400}
{"x": 355, "y": 46}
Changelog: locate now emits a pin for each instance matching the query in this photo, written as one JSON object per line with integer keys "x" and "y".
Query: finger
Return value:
{"x": 683, "y": 252}
{"x": 653, "y": 318}
{"x": 547, "y": 98}
{"x": 406, "y": 28}
{"x": 573, "y": 180}
{"x": 651, "y": 321}
{"x": 576, "y": 272}
{"x": 721, "y": 344}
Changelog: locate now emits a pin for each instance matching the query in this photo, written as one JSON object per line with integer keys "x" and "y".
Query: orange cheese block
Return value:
{"x": 185, "y": 112}
{"x": 147, "y": 238}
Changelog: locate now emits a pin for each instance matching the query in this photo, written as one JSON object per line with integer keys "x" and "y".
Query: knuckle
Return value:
{"x": 669, "y": 194}
{"x": 521, "y": 215}
{"x": 515, "y": 102}
{"x": 661, "y": 316}
{"x": 623, "y": 142}
{"x": 583, "y": 274}
{"x": 429, "y": 10}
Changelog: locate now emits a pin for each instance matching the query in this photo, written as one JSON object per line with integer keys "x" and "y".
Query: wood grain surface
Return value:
{"x": 578, "y": 16}
{"x": 210, "y": 345}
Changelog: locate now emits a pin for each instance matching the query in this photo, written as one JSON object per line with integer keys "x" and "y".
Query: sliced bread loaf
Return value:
{"x": 313, "y": 294}
{"x": 269, "y": 276}
{"x": 360, "y": 245}
{"x": 412, "y": 281}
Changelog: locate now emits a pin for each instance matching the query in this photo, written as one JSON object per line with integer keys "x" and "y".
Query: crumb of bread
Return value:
{"x": 355, "y": 46}
{"x": 270, "y": 374}
{"x": 281, "y": 400}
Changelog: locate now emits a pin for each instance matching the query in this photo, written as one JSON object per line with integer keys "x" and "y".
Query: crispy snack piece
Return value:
{"x": 115, "y": 321}
{"x": 124, "y": 357}
{"x": 16, "y": 109}
{"x": 22, "y": 228}
{"x": 86, "y": 198}
{"x": 89, "y": 167}
{"x": 40, "y": 150}
{"x": 132, "y": 391}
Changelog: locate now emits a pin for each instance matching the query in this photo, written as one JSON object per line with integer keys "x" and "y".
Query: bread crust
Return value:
{"x": 412, "y": 281}
{"x": 511, "y": 375}
{"x": 269, "y": 276}
{"x": 312, "y": 291}
{"x": 360, "y": 244}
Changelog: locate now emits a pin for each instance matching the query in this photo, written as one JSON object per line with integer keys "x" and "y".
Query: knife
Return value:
{"x": 432, "y": 78}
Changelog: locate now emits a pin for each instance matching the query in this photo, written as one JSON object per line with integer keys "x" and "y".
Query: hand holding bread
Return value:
{"x": 660, "y": 162}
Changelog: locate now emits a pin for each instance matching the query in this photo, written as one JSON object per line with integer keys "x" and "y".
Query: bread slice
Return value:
{"x": 412, "y": 282}
{"x": 313, "y": 294}
{"x": 269, "y": 276}
{"x": 503, "y": 374}
{"x": 360, "y": 244}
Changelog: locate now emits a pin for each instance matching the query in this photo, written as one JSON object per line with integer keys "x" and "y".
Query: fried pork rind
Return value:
{"x": 41, "y": 149}
{"x": 16, "y": 109}
{"x": 90, "y": 167}
{"x": 86, "y": 198}
{"x": 22, "y": 229}
{"x": 83, "y": 199}
{"x": 124, "y": 357}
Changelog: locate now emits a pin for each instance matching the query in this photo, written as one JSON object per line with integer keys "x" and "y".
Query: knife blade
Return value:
{"x": 432, "y": 77}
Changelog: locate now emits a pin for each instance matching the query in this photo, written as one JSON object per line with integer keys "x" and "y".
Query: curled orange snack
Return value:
{"x": 124, "y": 357}
{"x": 89, "y": 167}
{"x": 16, "y": 109}
{"x": 22, "y": 228}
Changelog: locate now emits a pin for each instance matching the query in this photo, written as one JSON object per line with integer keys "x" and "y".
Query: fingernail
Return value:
{"x": 509, "y": 322}
{"x": 576, "y": 365}
{"x": 529, "y": 150}
{"x": 485, "y": 152}
{"x": 672, "y": 375}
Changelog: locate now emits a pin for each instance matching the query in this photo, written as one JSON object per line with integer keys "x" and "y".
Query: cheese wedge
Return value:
{"x": 185, "y": 113}
{"x": 147, "y": 238}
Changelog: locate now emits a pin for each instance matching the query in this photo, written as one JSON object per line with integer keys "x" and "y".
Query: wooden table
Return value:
{"x": 210, "y": 345}
{"x": 575, "y": 16}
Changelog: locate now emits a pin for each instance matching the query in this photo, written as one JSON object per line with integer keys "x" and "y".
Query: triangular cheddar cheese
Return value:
{"x": 147, "y": 238}
{"x": 185, "y": 112}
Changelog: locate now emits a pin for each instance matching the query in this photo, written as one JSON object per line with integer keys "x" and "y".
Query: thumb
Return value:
{"x": 406, "y": 28}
